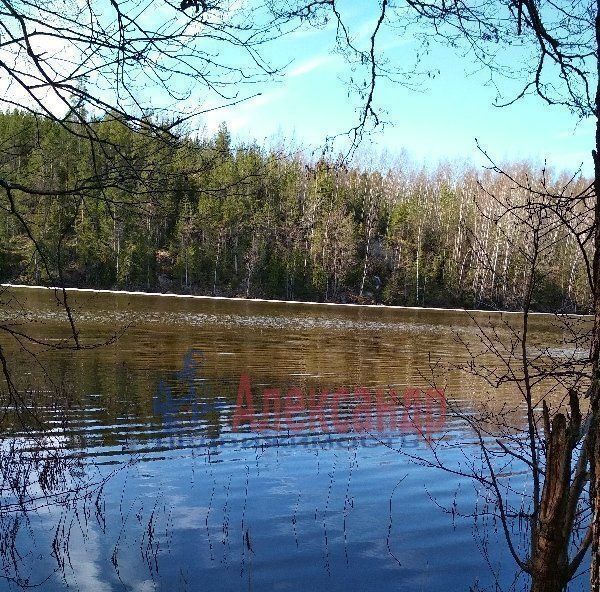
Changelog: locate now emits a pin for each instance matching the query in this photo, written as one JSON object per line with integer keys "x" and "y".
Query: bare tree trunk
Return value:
{"x": 549, "y": 560}
{"x": 369, "y": 222}
{"x": 216, "y": 266}
{"x": 595, "y": 346}
{"x": 418, "y": 257}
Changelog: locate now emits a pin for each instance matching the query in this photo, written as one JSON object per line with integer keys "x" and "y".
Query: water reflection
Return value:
{"x": 227, "y": 474}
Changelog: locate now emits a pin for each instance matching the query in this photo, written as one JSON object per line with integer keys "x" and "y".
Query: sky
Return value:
{"x": 441, "y": 121}
{"x": 311, "y": 101}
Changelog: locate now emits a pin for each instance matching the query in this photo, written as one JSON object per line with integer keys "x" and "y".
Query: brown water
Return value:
{"x": 295, "y": 497}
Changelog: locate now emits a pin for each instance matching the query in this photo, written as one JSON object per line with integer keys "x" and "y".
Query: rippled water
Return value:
{"x": 201, "y": 499}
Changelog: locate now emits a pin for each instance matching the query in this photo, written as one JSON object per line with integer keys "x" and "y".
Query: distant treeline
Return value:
{"x": 200, "y": 215}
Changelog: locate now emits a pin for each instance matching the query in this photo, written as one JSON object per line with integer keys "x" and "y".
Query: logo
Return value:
{"x": 292, "y": 411}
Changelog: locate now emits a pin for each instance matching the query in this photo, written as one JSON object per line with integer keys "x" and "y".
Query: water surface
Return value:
{"x": 280, "y": 502}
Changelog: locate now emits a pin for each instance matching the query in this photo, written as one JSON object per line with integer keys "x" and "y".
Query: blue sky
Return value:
{"x": 441, "y": 121}
{"x": 311, "y": 101}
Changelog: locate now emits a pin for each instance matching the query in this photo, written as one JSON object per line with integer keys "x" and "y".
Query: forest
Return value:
{"x": 199, "y": 214}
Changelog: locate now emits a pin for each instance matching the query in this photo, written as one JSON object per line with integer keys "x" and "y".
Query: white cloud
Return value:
{"x": 309, "y": 66}
{"x": 581, "y": 129}
{"x": 238, "y": 117}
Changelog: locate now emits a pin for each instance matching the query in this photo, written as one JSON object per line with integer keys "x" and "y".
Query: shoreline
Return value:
{"x": 296, "y": 302}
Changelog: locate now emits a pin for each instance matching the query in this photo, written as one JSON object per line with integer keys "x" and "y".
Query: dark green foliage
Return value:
{"x": 206, "y": 216}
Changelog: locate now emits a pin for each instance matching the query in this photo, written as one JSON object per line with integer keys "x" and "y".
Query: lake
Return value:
{"x": 246, "y": 445}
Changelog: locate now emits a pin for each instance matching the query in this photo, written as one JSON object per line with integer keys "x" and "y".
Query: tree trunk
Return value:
{"x": 549, "y": 561}
{"x": 595, "y": 347}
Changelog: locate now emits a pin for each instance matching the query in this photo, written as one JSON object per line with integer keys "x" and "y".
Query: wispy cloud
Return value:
{"x": 309, "y": 65}
{"x": 584, "y": 128}
{"x": 241, "y": 115}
